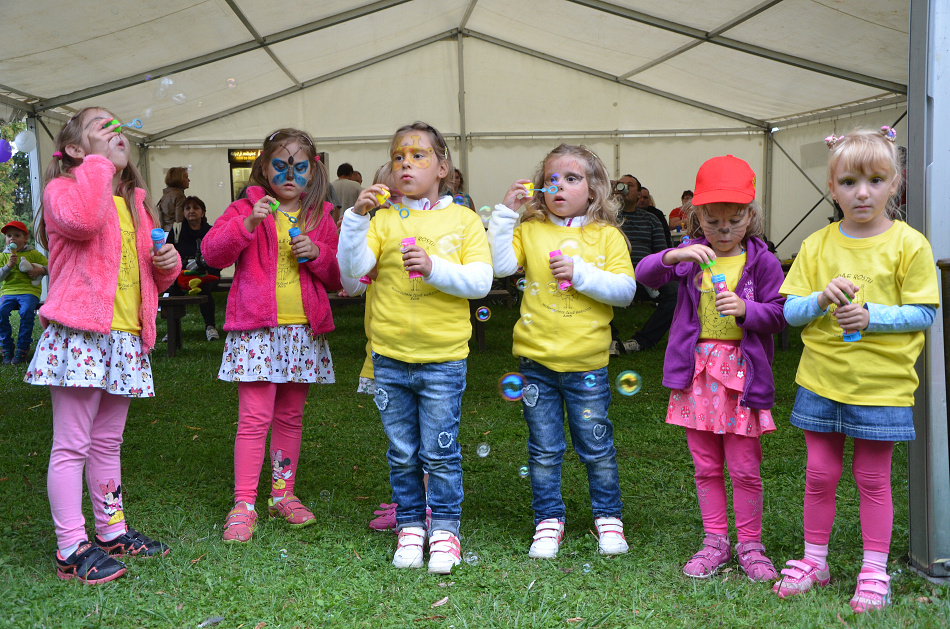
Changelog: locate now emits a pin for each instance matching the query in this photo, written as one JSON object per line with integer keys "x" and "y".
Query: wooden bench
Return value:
{"x": 172, "y": 310}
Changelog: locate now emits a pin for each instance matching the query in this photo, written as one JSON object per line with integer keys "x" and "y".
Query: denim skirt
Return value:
{"x": 874, "y": 423}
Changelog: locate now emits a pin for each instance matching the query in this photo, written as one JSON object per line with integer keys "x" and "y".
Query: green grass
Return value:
{"x": 177, "y": 476}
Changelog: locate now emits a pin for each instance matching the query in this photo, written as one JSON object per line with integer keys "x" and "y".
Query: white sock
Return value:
{"x": 249, "y": 506}
{"x": 276, "y": 500}
{"x": 108, "y": 537}
{"x": 69, "y": 550}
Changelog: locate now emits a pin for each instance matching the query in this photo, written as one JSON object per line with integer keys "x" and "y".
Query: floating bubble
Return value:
{"x": 484, "y": 213}
{"x": 147, "y": 113}
{"x": 6, "y": 151}
{"x": 521, "y": 284}
{"x": 600, "y": 261}
{"x": 523, "y": 472}
{"x": 586, "y": 568}
{"x": 555, "y": 177}
{"x": 520, "y": 270}
{"x": 483, "y": 314}
{"x": 534, "y": 288}
{"x": 594, "y": 324}
{"x": 483, "y": 450}
{"x": 220, "y": 184}
{"x": 448, "y": 244}
{"x": 164, "y": 86}
{"x": 148, "y": 77}
{"x": 590, "y": 379}
{"x": 702, "y": 281}
{"x": 471, "y": 559}
{"x": 231, "y": 83}
{"x": 458, "y": 200}
{"x": 552, "y": 287}
{"x": 569, "y": 247}
{"x": 587, "y": 414}
{"x": 460, "y": 232}
{"x": 527, "y": 318}
{"x": 685, "y": 240}
{"x": 511, "y": 386}
{"x": 629, "y": 383}
{"x": 325, "y": 496}
{"x": 283, "y": 553}
{"x": 25, "y": 141}
{"x": 179, "y": 99}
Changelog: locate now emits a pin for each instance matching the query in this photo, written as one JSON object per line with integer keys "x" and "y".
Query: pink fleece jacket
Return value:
{"x": 85, "y": 249}
{"x": 252, "y": 302}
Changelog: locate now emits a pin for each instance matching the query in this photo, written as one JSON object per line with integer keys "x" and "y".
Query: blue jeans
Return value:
{"x": 586, "y": 396}
{"x": 421, "y": 405}
{"x": 26, "y": 304}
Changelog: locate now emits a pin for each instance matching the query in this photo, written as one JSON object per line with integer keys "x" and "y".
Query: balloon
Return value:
{"x": 6, "y": 151}
{"x": 25, "y": 141}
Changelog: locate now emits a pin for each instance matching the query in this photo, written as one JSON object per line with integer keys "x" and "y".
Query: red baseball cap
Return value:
{"x": 725, "y": 179}
{"x": 17, "y": 224}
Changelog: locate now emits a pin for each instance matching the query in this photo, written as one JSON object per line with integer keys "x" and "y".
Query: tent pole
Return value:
{"x": 767, "y": 185}
{"x": 463, "y": 148}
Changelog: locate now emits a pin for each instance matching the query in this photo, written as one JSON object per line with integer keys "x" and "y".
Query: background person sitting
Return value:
{"x": 186, "y": 236}
{"x": 676, "y": 216}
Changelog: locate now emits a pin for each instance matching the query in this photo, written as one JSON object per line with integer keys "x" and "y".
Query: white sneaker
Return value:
{"x": 445, "y": 552}
{"x": 610, "y": 534}
{"x": 614, "y": 349}
{"x": 409, "y": 548}
{"x": 547, "y": 539}
{"x": 211, "y": 333}
{"x": 631, "y": 346}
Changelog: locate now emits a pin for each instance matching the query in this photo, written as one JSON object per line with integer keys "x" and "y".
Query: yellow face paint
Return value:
{"x": 410, "y": 150}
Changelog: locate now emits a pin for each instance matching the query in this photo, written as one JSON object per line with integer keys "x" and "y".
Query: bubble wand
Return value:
{"x": 294, "y": 231}
{"x": 563, "y": 284}
{"x": 851, "y": 337}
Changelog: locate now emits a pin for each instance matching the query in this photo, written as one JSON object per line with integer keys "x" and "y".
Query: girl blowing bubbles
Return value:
{"x": 419, "y": 328}
{"x": 568, "y": 242}
{"x": 719, "y": 357}
{"x": 277, "y": 317}
{"x": 871, "y": 274}
{"x": 105, "y": 278}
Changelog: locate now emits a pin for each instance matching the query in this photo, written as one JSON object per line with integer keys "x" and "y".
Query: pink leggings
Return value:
{"x": 261, "y": 404}
{"x": 743, "y": 455}
{"x": 87, "y": 432}
{"x": 872, "y": 473}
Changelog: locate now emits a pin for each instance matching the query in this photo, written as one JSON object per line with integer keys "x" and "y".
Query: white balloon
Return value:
{"x": 25, "y": 141}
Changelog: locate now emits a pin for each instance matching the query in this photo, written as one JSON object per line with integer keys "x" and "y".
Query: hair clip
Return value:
{"x": 832, "y": 141}
{"x": 57, "y": 155}
{"x": 890, "y": 133}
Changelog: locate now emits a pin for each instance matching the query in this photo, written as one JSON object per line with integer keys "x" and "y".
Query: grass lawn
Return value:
{"x": 177, "y": 475}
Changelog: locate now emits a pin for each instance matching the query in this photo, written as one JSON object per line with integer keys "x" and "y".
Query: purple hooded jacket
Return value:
{"x": 758, "y": 286}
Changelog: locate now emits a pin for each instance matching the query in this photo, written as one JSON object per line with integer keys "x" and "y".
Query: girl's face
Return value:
{"x": 573, "y": 195}
{"x": 289, "y": 170}
{"x": 724, "y": 225}
{"x": 417, "y": 170}
{"x": 97, "y": 140}
{"x": 863, "y": 196}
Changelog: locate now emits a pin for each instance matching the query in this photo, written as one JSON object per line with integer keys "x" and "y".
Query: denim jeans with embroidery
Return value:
{"x": 420, "y": 405}
{"x": 585, "y": 396}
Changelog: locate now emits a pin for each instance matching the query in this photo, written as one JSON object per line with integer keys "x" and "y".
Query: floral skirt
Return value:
{"x": 711, "y": 402}
{"x": 66, "y": 357}
{"x": 287, "y": 353}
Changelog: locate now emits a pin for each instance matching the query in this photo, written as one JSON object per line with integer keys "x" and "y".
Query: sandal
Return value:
{"x": 873, "y": 592}
{"x": 291, "y": 509}
{"x": 799, "y": 577}
{"x": 714, "y": 554}
{"x": 752, "y": 559}
{"x": 385, "y": 517}
{"x": 240, "y": 523}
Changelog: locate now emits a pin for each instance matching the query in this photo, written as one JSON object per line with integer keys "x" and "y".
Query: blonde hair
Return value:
{"x": 311, "y": 205}
{"x": 756, "y": 226}
{"x": 63, "y": 166}
{"x": 438, "y": 145}
{"x": 384, "y": 174}
{"x": 867, "y": 151}
{"x": 604, "y": 208}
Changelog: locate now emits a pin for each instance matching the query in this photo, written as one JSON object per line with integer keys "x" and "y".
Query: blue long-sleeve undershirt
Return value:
{"x": 908, "y": 318}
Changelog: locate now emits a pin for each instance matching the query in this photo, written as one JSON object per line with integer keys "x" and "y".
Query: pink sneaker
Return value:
{"x": 291, "y": 509}
{"x": 240, "y": 523}
{"x": 799, "y": 577}
{"x": 873, "y": 592}
{"x": 385, "y": 517}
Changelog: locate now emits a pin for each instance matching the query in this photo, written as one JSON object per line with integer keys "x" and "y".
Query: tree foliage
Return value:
{"x": 15, "y": 200}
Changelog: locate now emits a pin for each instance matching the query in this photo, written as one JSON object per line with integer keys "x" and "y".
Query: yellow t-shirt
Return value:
{"x": 410, "y": 320}
{"x": 713, "y": 326}
{"x": 128, "y": 294}
{"x": 895, "y": 268}
{"x": 562, "y": 329}
{"x": 289, "y": 297}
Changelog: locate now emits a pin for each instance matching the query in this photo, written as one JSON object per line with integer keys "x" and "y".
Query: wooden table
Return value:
{"x": 172, "y": 310}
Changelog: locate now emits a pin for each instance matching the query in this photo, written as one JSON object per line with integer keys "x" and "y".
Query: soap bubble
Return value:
{"x": 449, "y": 244}
{"x": 483, "y": 314}
{"x": 594, "y": 324}
{"x": 25, "y": 141}
{"x": 521, "y": 284}
{"x": 458, "y": 200}
{"x": 220, "y": 184}
{"x": 283, "y": 553}
{"x": 534, "y": 288}
{"x": 590, "y": 379}
{"x": 685, "y": 240}
{"x": 587, "y": 414}
{"x": 511, "y": 386}
{"x": 148, "y": 77}
{"x": 552, "y": 287}
{"x": 325, "y": 496}
{"x": 471, "y": 559}
{"x": 484, "y": 213}
{"x": 460, "y": 232}
{"x": 629, "y": 383}
{"x": 702, "y": 281}
{"x": 231, "y": 83}
{"x": 527, "y": 318}
{"x": 523, "y": 472}
{"x": 483, "y": 450}
{"x": 163, "y": 87}
{"x": 179, "y": 98}
{"x": 586, "y": 568}
{"x": 569, "y": 247}
{"x": 600, "y": 261}
{"x": 6, "y": 151}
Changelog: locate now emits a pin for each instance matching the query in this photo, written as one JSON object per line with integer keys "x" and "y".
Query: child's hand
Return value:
{"x": 852, "y": 317}
{"x": 517, "y": 194}
{"x": 36, "y": 271}
{"x": 415, "y": 258}
{"x": 730, "y": 305}
{"x": 259, "y": 212}
{"x": 839, "y": 291}
{"x": 373, "y": 273}
{"x": 700, "y": 254}
{"x": 562, "y": 267}
{"x": 166, "y": 258}
{"x": 102, "y": 141}
{"x": 367, "y": 200}
{"x": 303, "y": 247}
{"x": 14, "y": 261}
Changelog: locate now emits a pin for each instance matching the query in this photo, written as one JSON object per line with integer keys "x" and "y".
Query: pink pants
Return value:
{"x": 261, "y": 404}
{"x": 743, "y": 455}
{"x": 872, "y": 474}
{"x": 87, "y": 432}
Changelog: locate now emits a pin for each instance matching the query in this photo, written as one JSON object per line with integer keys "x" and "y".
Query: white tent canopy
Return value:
{"x": 654, "y": 87}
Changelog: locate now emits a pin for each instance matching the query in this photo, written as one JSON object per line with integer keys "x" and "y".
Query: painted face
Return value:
{"x": 573, "y": 194}
{"x": 862, "y": 196}
{"x": 95, "y": 119}
{"x": 16, "y": 236}
{"x": 724, "y": 227}
{"x": 289, "y": 170}
{"x": 417, "y": 170}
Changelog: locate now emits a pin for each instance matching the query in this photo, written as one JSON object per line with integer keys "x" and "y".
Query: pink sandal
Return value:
{"x": 799, "y": 577}
{"x": 386, "y": 517}
{"x": 752, "y": 559}
{"x": 715, "y": 553}
{"x": 873, "y": 592}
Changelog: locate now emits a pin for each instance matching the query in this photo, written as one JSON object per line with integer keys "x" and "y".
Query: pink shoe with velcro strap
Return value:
{"x": 873, "y": 592}
{"x": 410, "y": 547}
{"x": 799, "y": 577}
{"x": 445, "y": 552}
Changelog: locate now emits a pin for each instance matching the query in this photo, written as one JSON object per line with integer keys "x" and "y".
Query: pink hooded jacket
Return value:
{"x": 85, "y": 249}
{"x": 252, "y": 301}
